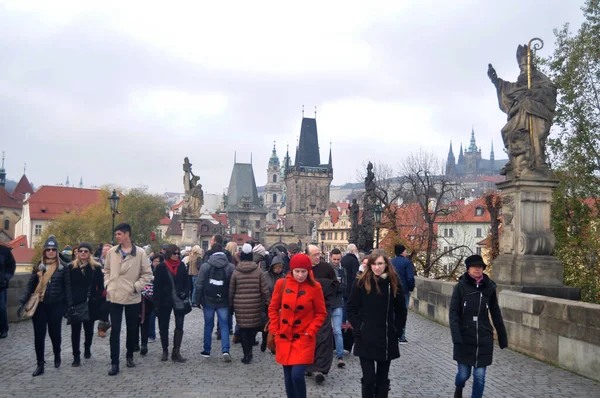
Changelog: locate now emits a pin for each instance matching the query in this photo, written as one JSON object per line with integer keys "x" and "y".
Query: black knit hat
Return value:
{"x": 51, "y": 243}
{"x": 473, "y": 260}
{"x": 85, "y": 245}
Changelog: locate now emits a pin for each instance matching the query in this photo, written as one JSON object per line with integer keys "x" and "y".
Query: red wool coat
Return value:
{"x": 296, "y": 315}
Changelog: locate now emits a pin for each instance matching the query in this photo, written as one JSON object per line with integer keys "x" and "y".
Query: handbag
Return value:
{"x": 80, "y": 312}
{"x": 180, "y": 306}
{"x": 31, "y": 305}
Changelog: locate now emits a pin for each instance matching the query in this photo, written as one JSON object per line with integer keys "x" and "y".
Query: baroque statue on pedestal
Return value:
{"x": 194, "y": 197}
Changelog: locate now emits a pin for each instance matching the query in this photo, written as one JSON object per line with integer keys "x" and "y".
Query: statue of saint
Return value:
{"x": 530, "y": 112}
{"x": 315, "y": 235}
{"x": 354, "y": 212}
{"x": 194, "y": 197}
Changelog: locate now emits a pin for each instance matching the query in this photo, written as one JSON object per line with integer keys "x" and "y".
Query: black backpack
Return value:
{"x": 216, "y": 283}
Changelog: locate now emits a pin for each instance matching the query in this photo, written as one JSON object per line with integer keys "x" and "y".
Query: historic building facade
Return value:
{"x": 470, "y": 163}
{"x": 245, "y": 212}
{"x": 307, "y": 184}
{"x": 273, "y": 196}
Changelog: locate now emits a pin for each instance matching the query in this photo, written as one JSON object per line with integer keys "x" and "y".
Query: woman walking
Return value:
{"x": 377, "y": 314}
{"x": 296, "y": 313}
{"x": 170, "y": 274}
{"x": 473, "y": 297}
{"x": 148, "y": 315}
{"x": 87, "y": 285}
{"x": 272, "y": 275}
{"x": 51, "y": 282}
{"x": 194, "y": 263}
{"x": 248, "y": 291}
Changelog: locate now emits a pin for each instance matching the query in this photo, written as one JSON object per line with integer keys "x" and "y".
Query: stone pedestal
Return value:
{"x": 526, "y": 263}
{"x": 189, "y": 231}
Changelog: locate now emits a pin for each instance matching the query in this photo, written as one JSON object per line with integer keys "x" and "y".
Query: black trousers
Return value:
{"x": 247, "y": 336}
{"x": 88, "y": 328}
{"x": 132, "y": 311}
{"x": 145, "y": 323}
{"x": 372, "y": 376}
{"x": 48, "y": 316}
{"x": 164, "y": 318}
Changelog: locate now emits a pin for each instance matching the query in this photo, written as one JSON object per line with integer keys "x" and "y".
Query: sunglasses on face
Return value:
{"x": 177, "y": 254}
{"x": 84, "y": 251}
{"x": 50, "y": 250}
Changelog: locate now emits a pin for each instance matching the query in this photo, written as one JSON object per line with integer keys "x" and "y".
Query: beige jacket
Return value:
{"x": 124, "y": 278}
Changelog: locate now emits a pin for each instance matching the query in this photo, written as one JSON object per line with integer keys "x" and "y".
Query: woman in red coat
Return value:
{"x": 296, "y": 314}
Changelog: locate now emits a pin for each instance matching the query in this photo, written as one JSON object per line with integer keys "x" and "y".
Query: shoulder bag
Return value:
{"x": 180, "y": 306}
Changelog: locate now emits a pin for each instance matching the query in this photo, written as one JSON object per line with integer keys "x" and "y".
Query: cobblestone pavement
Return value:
{"x": 425, "y": 369}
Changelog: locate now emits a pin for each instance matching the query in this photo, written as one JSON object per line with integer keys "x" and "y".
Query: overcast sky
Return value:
{"x": 120, "y": 92}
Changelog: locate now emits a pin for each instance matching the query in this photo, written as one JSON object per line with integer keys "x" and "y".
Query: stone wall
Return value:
{"x": 562, "y": 332}
{"x": 16, "y": 288}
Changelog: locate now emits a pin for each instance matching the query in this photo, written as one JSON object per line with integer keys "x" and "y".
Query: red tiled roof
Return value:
{"x": 19, "y": 241}
{"x": 6, "y": 200}
{"x": 165, "y": 220}
{"x": 222, "y": 218}
{"x": 23, "y": 255}
{"x": 51, "y": 201}
{"x": 174, "y": 226}
{"x": 467, "y": 214}
{"x": 177, "y": 205}
{"x": 22, "y": 187}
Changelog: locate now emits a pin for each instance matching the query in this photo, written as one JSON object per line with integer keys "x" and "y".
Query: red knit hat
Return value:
{"x": 301, "y": 261}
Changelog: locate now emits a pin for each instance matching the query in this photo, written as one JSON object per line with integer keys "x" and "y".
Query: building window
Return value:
{"x": 445, "y": 232}
{"x": 274, "y": 177}
{"x": 335, "y": 236}
{"x": 343, "y": 223}
{"x": 159, "y": 233}
{"x": 478, "y": 250}
{"x": 479, "y": 234}
{"x": 328, "y": 235}
{"x": 256, "y": 236}
{"x": 38, "y": 229}
{"x": 274, "y": 216}
{"x": 205, "y": 245}
{"x": 243, "y": 222}
{"x": 479, "y": 211}
{"x": 204, "y": 228}
{"x": 274, "y": 198}
{"x": 6, "y": 224}
{"x": 451, "y": 232}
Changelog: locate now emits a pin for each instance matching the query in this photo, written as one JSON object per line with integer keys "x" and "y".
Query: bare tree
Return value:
{"x": 493, "y": 202}
{"x": 423, "y": 174}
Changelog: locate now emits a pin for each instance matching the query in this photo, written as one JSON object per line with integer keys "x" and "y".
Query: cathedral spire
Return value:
{"x": 330, "y": 162}
{"x": 81, "y": 182}
{"x": 450, "y": 162}
{"x": 492, "y": 153}
{"x": 472, "y": 144}
{"x": 461, "y": 158}
{"x": 2, "y": 172}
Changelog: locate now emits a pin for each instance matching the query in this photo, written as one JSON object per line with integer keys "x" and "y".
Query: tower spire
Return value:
{"x": 492, "y": 153}
{"x": 234, "y": 157}
{"x": 472, "y": 144}
{"x": 302, "y": 111}
{"x": 315, "y": 111}
{"x": 2, "y": 172}
{"x": 330, "y": 162}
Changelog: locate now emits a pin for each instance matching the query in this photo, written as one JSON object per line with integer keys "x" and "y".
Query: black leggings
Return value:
{"x": 48, "y": 316}
{"x": 88, "y": 328}
{"x": 145, "y": 323}
{"x": 372, "y": 376}
{"x": 164, "y": 317}
{"x": 247, "y": 335}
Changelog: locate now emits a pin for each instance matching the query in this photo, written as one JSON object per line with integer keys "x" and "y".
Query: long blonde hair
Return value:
{"x": 77, "y": 263}
{"x": 196, "y": 253}
{"x": 368, "y": 275}
{"x": 232, "y": 248}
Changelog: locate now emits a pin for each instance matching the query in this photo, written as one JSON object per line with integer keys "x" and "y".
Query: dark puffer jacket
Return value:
{"x": 248, "y": 291}
{"x": 472, "y": 333}
{"x": 271, "y": 277}
{"x": 84, "y": 280}
{"x": 58, "y": 290}
{"x": 163, "y": 288}
{"x": 377, "y": 320}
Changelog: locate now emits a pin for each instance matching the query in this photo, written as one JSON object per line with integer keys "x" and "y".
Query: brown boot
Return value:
{"x": 176, "y": 355}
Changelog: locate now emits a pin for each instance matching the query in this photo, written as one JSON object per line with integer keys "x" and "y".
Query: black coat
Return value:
{"x": 472, "y": 332}
{"x": 351, "y": 265}
{"x": 84, "y": 280}
{"x": 58, "y": 290}
{"x": 8, "y": 266}
{"x": 377, "y": 320}
{"x": 163, "y": 288}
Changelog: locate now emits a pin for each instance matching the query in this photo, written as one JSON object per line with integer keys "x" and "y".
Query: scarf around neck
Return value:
{"x": 172, "y": 265}
{"x": 45, "y": 277}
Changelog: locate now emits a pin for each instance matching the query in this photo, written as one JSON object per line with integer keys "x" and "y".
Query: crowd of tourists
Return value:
{"x": 309, "y": 312}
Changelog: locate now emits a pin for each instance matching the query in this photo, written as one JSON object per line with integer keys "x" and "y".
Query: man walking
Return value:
{"x": 351, "y": 264}
{"x": 104, "y": 310}
{"x": 404, "y": 269}
{"x": 292, "y": 250}
{"x": 339, "y": 306}
{"x": 126, "y": 272}
{"x": 326, "y": 276}
{"x": 8, "y": 266}
{"x": 212, "y": 293}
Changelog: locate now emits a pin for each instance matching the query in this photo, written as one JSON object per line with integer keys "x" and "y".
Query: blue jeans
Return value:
{"x": 194, "y": 289}
{"x": 406, "y": 302}
{"x": 337, "y": 316}
{"x": 3, "y": 312}
{"x": 209, "y": 324}
{"x": 464, "y": 372}
{"x": 152, "y": 325}
{"x": 295, "y": 384}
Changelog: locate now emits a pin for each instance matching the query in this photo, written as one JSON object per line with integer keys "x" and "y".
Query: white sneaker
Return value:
{"x": 226, "y": 357}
